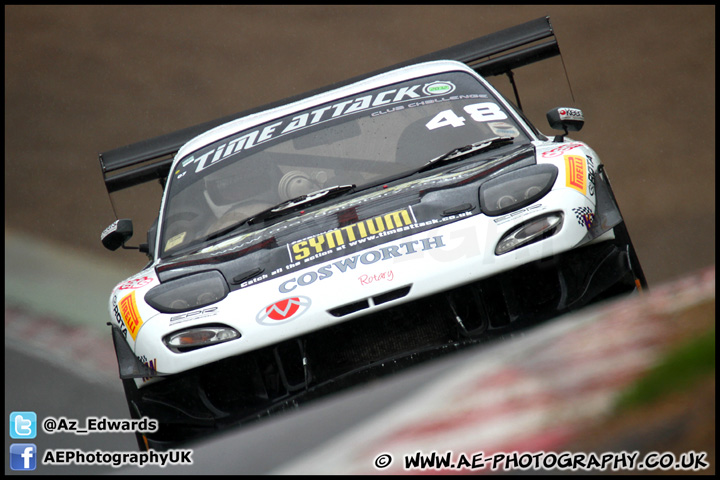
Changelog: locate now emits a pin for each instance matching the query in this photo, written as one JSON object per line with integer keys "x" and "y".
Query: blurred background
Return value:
{"x": 80, "y": 80}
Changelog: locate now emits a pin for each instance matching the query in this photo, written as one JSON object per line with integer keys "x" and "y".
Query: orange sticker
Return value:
{"x": 130, "y": 314}
{"x": 576, "y": 173}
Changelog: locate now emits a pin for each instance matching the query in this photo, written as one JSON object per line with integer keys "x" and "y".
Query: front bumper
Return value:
{"x": 245, "y": 387}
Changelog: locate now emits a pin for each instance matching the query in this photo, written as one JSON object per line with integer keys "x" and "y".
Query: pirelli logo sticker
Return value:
{"x": 576, "y": 173}
{"x": 352, "y": 233}
{"x": 130, "y": 314}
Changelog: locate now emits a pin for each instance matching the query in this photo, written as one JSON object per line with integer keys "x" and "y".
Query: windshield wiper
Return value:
{"x": 226, "y": 230}
{"x": 301, "y": 200}
{"x": 470, "y": 149}
{"x": 279, "y": 209}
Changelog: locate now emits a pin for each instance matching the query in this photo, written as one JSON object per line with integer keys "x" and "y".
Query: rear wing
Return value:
{"x": 151, "y": 159}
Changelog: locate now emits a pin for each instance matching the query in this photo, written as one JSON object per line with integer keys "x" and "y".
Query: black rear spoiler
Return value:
{"x": 151, "y": 159}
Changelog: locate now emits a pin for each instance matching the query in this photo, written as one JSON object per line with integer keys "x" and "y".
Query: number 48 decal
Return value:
{"x": 480, "y": 112}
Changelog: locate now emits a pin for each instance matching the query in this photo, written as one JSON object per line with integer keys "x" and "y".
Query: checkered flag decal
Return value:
{"x": 585, "y": 216}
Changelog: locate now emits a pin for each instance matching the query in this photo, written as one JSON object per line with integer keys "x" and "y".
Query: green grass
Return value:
{"x": 676, "y": 372}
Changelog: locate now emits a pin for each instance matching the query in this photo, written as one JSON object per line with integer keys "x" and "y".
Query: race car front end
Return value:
{"x": 318, "y": 244}
{"x": 418, "y": 280}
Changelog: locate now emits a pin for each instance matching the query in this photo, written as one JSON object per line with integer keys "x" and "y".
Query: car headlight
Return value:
{"x": 198, "y": 337}
{"x": 529, "y": 232}
{"x": 188, "y": 293}
{"x": 519, "y": 188}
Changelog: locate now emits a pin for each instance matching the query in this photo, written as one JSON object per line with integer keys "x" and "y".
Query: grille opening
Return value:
{"x": 377, "y": 336}
{"x": 469, "y": 310}
{"x": 349, "y": 308}
{"x": 391, "y": 295}
{"x": 290, "y": 358}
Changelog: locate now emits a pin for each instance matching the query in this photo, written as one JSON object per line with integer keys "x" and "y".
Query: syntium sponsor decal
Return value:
{"x": 279, "y": 230}
{"x": 374, "y": 232}
{"x": 359, "y": 237}
{"x": 357, "y": 232}
{"x": 368, "y": 257}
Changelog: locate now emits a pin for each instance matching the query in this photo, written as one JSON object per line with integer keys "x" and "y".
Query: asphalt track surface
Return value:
{"x": 80, "y": 80}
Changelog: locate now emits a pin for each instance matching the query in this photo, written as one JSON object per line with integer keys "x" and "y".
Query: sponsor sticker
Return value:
{"x": 584, "y": 216}
{"x": 388, "y": 276}
{"x": 152, "y": 365}
{"x": 438, "y": 88}
{"x": 519, "y": 214}
{"x": 118, "y": 317}
{"x": 248, "y": 140}
{"x": 503, "y": 129}
{"x": 367, "y": 257}
{"x": 194, "y": 315}
{"x": 357, "y": 231}
{"x": 576, "y": 173}
{"x": 175, "y": 241}
{"x": 559, "y": 150}
{"x": 111, "y": 228}
{"x": 130, "y": 314}
{"x": 571, "y": 114}
{"x": 283, "y": 311}
{"x": 134, "y": 283}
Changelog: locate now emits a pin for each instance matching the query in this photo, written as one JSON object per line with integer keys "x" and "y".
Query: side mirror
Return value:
{"x": 566, "y": 119}
{"x": 119, "y": 232}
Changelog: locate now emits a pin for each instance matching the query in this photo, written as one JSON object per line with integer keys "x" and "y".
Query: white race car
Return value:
{"x": 320, "y": 241}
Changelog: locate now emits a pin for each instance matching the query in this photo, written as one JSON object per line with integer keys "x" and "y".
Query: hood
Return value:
{"x": 347, "y": 224}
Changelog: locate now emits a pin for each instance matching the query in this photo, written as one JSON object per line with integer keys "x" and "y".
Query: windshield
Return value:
{"x": 360, "y": 140}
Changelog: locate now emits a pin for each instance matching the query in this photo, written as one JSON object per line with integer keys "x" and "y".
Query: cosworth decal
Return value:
{"x": 368, "y": 257}
{"x": 320, "y": 115}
